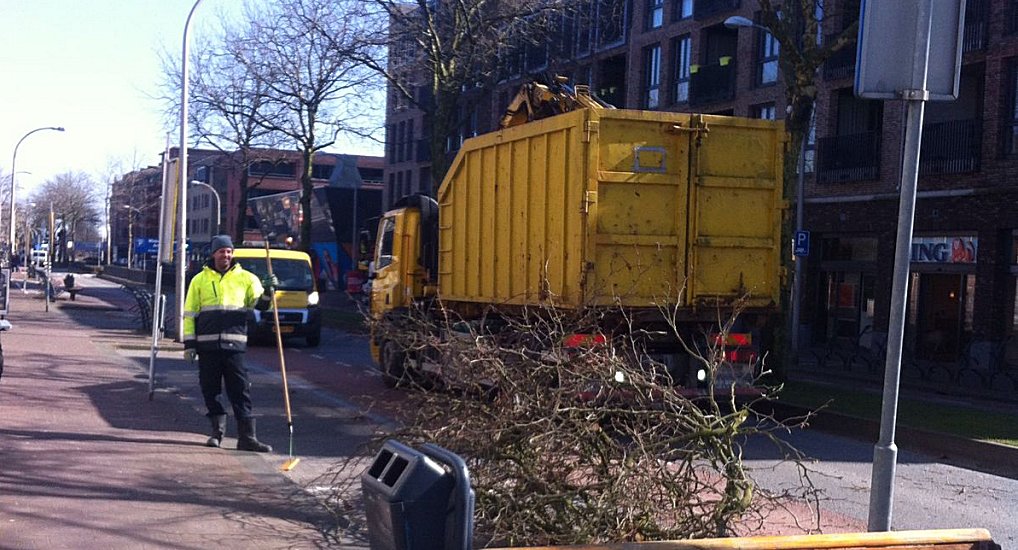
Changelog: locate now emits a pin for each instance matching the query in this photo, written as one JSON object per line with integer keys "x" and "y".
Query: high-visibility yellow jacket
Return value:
{"x": 217, "y": 308}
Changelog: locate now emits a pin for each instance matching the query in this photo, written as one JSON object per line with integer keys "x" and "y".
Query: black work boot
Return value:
{"x": 218, "y": 422}
{"x": 246, "y": 439}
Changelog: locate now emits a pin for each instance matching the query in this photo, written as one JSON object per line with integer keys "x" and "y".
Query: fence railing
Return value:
{"x": 952, "y": 147}
{"x": 853, "y": 157}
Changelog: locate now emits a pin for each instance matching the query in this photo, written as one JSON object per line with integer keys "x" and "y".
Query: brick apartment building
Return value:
{"x": 678, "y": 55}
{"x": 136, "y": 196}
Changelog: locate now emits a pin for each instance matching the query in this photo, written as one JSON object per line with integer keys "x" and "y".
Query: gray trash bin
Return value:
{"x": 418, "y": 500}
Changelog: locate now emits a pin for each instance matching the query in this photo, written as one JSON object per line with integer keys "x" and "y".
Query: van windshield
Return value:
{"x": 292, "y": 274}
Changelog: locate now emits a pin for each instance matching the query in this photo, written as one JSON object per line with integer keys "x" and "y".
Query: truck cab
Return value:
{"x": 405, "y": 259}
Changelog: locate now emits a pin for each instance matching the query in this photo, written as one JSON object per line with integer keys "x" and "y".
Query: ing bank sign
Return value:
{"x": 957, "y": 249}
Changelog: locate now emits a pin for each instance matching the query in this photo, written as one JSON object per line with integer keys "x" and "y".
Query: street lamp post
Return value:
{"x": 734, "y": 22}
{"x": 182, "y": 234}
{"x": 14, "y": 160}
{"x": 215, "y": 195}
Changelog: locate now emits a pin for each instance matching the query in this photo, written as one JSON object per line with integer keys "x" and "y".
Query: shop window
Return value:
{"x": 850, "y": 307}
{"x": 859, "y": 249}
{"x": 940, "y": 314}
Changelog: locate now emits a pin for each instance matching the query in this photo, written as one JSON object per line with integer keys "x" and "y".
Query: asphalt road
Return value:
{"x": 339, "y": 404}
{"x": 928, "y": 494}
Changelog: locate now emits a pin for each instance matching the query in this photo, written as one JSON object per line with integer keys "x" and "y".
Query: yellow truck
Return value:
{"x": 595, "y": 207}
{"x": 296, "y": 296}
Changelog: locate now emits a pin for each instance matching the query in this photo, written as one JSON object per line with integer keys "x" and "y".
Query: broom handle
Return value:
{"x": 279, "y": 342}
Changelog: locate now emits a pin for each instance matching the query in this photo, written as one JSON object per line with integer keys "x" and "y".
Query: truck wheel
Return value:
{"x": 314, "y": 339}
{"x": 393, "y": 364}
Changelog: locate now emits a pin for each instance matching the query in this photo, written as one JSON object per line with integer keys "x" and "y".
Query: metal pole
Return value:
{"x": 797, "y": 279}
{"x": 14, "y": 160}
{"x": 182, "y": 224}
{"x": 885, "y": 452}
{"x": 158, "y": 301}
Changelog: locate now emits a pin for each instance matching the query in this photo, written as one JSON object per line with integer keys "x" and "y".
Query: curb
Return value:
{"x": 984, "y": 456}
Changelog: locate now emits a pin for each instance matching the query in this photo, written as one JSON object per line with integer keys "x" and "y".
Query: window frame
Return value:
{"x": 655, "y": 16}
{"x": 768, "y": 49}
{"x": 652, "y": 76}
{"x": 682, "y": 49}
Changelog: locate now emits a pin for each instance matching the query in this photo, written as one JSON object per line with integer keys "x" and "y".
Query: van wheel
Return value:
{"x": 393, "y": 364}
{"x": 314, "y": 339}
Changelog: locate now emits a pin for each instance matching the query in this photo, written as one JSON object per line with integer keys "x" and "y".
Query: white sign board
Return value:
{"x": 893, "y": 42}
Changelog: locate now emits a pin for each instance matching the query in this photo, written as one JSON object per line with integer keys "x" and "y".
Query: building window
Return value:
{"x": 655, "y": 13}
{"x": 681, "y": 47}
{"x": 682, "y": 9}
{"x": 584, "y": 29}
{"x": 611, "y": 23}
{"x": 392, "y": 189}
{"x": 390, "y": 138}
{"x": 1010, "y": 130}
{"x": 767, "y": 58}
{"x": 811, "y": 144}
{"x": 269, "y": 168}
{"x": 764, "y": 111}
{"x": 652, "y": 76}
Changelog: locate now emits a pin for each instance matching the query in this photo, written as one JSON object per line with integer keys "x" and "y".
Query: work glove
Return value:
{"x": 269, "y": 283}
{"x": 190, "y": 355}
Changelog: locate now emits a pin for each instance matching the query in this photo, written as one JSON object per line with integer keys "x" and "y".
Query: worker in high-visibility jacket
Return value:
{"x": 219, "y": 301}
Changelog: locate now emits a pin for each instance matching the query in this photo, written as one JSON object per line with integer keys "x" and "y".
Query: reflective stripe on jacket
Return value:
{"x": 217, "y": 308}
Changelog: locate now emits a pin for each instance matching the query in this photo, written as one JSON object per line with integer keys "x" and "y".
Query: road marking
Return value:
{"x": 316, "y": 356}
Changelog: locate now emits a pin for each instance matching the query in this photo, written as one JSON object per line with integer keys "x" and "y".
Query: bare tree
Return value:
{"x": 435, "y": 55}
{"x": 226, "y": 103}
{"x": 310, "y": 89}
{"x": 76, "y": 203}
{"x": 797, "y": 25}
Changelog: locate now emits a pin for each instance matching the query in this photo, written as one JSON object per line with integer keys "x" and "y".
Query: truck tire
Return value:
{"x": 314, "y": 339}
{"x": 393, "y": 364}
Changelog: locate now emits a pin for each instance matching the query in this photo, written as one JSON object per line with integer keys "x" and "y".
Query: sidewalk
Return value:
{"x": 89, "y": 461}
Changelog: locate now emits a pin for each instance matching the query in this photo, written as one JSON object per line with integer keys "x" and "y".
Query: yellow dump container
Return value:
{"x": 598, "y": 207}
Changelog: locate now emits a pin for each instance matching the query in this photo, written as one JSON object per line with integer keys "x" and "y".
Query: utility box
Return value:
{"x": 418, "y": 499}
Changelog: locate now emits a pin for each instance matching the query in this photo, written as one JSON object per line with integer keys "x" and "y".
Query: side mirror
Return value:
{"x": 5, "y": 325}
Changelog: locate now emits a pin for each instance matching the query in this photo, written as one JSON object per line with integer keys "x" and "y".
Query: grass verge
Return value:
{"x": 955, "y": 419}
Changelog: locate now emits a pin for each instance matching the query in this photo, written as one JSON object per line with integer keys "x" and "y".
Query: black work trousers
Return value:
{"x": 216, "y": 368}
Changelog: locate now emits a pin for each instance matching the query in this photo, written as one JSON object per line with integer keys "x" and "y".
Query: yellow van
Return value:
{"x": 296, "y": 296}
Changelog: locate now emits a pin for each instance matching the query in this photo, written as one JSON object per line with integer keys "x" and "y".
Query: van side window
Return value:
{"x": 388, "y": 236}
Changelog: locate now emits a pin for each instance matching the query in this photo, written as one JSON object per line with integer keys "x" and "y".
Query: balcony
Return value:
{"x": 712, "y": 83}
{"x": 976, "y": 26}
{"x": 841, "y": 64}
{"x": 702, "y": 9}
{"x": 854, "y": 157}
{"x": 952, "y": 147}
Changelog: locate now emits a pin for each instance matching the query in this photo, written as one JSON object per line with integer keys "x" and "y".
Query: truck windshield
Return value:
{"x": 292, "y": 274}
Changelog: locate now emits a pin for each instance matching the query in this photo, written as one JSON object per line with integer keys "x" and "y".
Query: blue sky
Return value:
{"x": 91, "y": 66}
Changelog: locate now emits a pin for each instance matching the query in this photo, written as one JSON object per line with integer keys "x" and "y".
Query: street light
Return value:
{"x": 14, "y": 160}
{"x": 215, "y": 194}
{"x": 734, "y": 22}
{"x": 182, "y": 224}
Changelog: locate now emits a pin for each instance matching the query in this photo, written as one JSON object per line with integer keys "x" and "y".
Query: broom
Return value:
{"x": 291, "y": 462}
